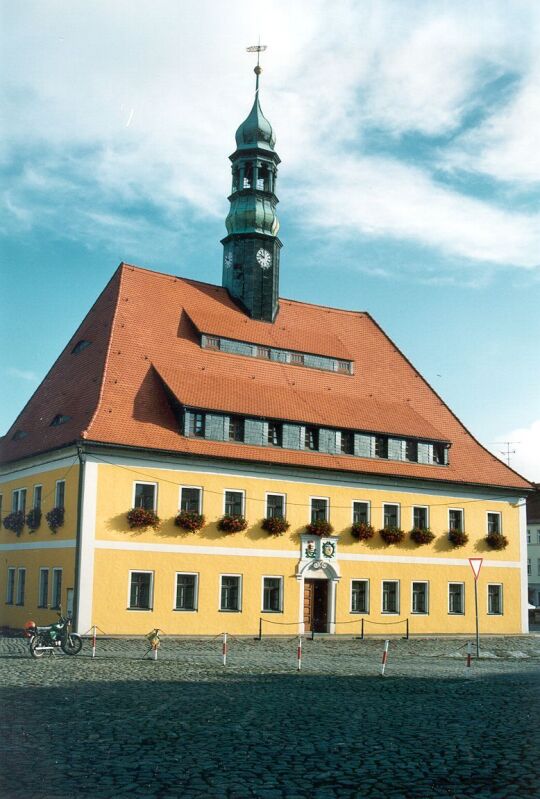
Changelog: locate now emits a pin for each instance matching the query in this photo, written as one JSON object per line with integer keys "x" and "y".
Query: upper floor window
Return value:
{"x": 455, "y": 519}
{"x": 381, "y": 447}
{"x": 275, "y": 506}
{"x": 390, "y": 515}
{"x": 494, "y": 522}
{"x": 18, "y": 500}
{"x": 411, "y": 450}
{"x": 236, "y": 428}
{"x": 190, "y": 499}
{"x": 360, "y": 512}
{"x": 347, "y": 442}
{"x": 36, "y": 504}
{"x": 145, "y": 496}
{"x": 420, "y": 518}
{"x": 234, "y": 503}
{"x": 319, "y": 509}
{"x": 60, "y": 494}
{"x": 311, "y": 438}
{"x": 275, "y": 434}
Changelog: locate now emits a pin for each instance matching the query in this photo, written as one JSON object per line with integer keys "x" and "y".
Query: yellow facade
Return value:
{"x": 108, "y": 552}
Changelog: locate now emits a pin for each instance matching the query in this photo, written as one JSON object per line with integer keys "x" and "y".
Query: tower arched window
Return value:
{"x": 263, "y": 178}
{"x": 248, "y": 176}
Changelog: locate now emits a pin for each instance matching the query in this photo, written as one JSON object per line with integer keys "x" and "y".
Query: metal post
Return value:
{"x": 476, "y": 612}
{"x": 260, "y": 629}
{"x": 362, "y": 629}
{"x": 94, "y": 636}
{"x": 407, "y": 628}
{"x": 313, "y": 634}
{"x": 299, "y": 654}
{"x": 224, "y": 649}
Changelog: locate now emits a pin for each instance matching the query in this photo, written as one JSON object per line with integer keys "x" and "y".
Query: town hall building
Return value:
{"x": 205, "y": 458}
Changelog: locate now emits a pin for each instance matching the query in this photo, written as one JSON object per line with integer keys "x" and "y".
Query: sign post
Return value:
{"x": 476, "y": 565}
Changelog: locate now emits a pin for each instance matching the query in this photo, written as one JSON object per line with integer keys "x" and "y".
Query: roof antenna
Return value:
{"x": 507, "y": 452}
{"x": 257, "y": 48}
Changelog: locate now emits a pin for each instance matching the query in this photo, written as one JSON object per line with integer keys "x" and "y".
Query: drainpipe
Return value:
{"x": 78, "y": 548}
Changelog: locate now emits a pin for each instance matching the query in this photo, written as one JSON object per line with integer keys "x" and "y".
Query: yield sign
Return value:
{"x": 476, "y": 565}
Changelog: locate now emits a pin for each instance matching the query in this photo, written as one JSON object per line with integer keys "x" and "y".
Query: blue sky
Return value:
{"x": 409, "y": 185}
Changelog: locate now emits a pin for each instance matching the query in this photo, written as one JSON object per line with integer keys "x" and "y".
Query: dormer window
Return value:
{"x": 347, "y": 442}
{"x": 439, "y": 454}
{"x": 236, "y": 428}
{"x": 311, "y": 438}
{"x": 344, "y": 366}
{"x": 381, "y": 447}
{"x": 275, "y": 434}
{"x": 411, "y": 451}
{"x": 212, "y": 342}
{"x": 80, "y": 346}
{"x": 18, "y": 434}
{"x": 59, "y": 419}
{"x": 297, "y": 358}
{"x": 263, "y": 352}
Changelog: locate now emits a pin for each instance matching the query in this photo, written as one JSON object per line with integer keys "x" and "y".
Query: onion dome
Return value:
{"x": 256, "y": 130}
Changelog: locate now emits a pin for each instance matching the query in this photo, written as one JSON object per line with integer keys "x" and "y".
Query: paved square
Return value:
{"x": 185, "y": 726}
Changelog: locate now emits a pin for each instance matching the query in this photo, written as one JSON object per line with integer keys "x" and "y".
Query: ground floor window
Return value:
{"x": 495, "y": 605}
{"x": 57, "y": 588}
{"x": 420, "y": 597}
{"x": 456, "y": 598}
{"x": 10, "y": 586}
{"x": 186, "y": 591}
{"x": 390, "y": 596}
{"x": 21, "y": 586}
{"x": 359, "y": 596}
{"x": 272, "y": 594}
{"x": 231, "y": 592}
{"x": 43, "y": 595}
{"x": 140, "y": 590}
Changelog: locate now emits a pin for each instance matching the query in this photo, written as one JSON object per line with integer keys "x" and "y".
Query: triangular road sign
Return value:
{"x": 476, "y": 565}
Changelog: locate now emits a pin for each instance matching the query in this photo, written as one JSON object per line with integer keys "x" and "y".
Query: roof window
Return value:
{"x": 80, "y": 346}
{"x": 59, "y": 419}
{"x": 18, "y": 434}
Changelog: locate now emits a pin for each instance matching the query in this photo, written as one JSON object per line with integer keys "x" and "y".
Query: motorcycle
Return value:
{"x": 57, "y": 635}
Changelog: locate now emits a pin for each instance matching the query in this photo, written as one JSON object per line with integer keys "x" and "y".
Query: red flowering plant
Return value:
{"x": 231, "y": 523}
{"x": 496, "y": 541}
{"x": 140, "y": 518}
{"x": 15, "y": 522}
{"x": 55, "y": 519}
{"x": 190, "y": 520}
{"x": 362, "y": 531}
{"x": 33, "y": 519}
{"x": 422, "y": 535}
{"x": 458, "y": 538}
{"x": 275, "y": 525}
{"x": 319, "y": 527}
{"x": 392, "y": 535}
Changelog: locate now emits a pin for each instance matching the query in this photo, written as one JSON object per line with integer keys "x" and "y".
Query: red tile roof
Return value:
{"x": 141, "y": 328}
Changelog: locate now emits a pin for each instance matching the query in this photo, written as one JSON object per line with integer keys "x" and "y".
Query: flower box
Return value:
{"x": 55, "y": 519}
{"x": 275, "y": 525}
{"x": 232, "y": 524}
{"x": 190, "y": 520}
{"x": 392, "y": 535}
{"x": 319, "y": 527}
{"x": 362, "y": 531}
{"x": 422, "y": 535}
{"x": 458, "y": 538}
{"x": 140, "y": 518}
{"x": 33, "y": 519}
{"x": 15, "y": 522}
{"x": 496, "y": 541}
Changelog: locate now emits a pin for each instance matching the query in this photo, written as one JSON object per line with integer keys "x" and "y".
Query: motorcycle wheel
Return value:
{"x": 72, "y": 644}
{"x": 34, "y": 643}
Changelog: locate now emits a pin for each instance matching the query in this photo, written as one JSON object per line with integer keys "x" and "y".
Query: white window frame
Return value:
{"x": 364, "y": 502}
{"x": 145, "y": 483}
{"x": 240, "y": 593}
{"x": 368, "y": 596}
{"x": 43, "y": 571}
{"x": 327, "y": 513}
{"x": 151, "y": 597}
{"x": 16, "y": 503}
{"x": 501, "y": 612}
{"x": 195, "y": 607}
{"x": 393, "y": 505}
{"x": 20, "y": 596}
{"x": 271, "y": 577}
{"x": 422, "y": 582}
{"x": 199, "y": 510}
{"x": 56, "y": 494}
{"x": 494, "y": 513}
{"x": 462, "y": 518}
{"x": 34, "y": 489}
{"x": 243, "y": 511}
{"x": 398, "y": 597}
{"x": 275, "y": 494}
{"x": 11, "y": 585}
{"x": 55, "y": 571}
{"x": 453, "y": 612}
{"x": 422, "y": 507}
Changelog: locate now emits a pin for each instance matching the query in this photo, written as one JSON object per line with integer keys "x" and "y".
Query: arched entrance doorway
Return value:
{"x": 318, "y": 583}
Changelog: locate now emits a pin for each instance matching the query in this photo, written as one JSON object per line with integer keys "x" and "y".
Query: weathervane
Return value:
{"x": 257, "y": 48}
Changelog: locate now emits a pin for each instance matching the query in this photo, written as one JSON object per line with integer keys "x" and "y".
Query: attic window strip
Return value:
{"x": 59, "y": 419}
{"x": 80, "y": 346}
{"x": 18, "y": 435}
{"x": 249, "y": 350}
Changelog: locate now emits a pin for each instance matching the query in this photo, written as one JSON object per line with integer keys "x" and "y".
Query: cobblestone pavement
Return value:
{"x": 186, "y": 726}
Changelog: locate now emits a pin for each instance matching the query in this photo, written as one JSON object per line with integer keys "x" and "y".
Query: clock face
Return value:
{"x": 228, "y": 260}
{"x": 264, "y": 258}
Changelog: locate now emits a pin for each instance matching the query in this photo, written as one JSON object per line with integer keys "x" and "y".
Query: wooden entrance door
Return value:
{"x": 316, "y": 606}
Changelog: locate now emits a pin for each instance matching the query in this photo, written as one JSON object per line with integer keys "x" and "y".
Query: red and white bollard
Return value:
{"x": 384, "y": 657}
{"x": 299, "y": 654}
{"x": 94, "y": 637}
{"x": 224, "y": 649}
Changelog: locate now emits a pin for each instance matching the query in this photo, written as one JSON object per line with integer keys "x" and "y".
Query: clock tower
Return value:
{"x": 251, "y": 247}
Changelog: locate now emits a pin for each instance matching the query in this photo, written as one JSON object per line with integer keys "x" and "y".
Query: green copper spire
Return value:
{"x": 251, "y": 248}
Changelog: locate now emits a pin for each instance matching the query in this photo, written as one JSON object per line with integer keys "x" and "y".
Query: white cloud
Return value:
{"x": 23, "y": 374}
{"x": 525, "y": 448}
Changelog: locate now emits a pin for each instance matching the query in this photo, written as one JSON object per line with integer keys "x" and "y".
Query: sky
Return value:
{"x": 409, "y": 185}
